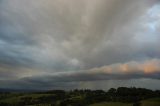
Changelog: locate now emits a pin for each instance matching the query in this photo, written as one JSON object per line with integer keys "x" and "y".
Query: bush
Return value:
{"x": 137, "y": 104}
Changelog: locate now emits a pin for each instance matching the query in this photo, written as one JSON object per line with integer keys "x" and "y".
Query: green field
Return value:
{"x": 15, "y": 99}
{"x": 111, "y": 104}
{"x": 149, "y": 102}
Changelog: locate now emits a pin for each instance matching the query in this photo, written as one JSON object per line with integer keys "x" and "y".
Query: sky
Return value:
{"x": 79, "y": 44}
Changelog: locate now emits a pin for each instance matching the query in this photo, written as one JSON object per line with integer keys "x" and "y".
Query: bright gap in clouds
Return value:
{"x": 151, "y": 25}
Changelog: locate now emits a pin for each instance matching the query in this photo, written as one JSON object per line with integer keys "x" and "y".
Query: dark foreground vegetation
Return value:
{"x": 132, "y": 96}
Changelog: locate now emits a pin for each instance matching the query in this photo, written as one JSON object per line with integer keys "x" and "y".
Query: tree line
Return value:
{"x": 83, "y": 97}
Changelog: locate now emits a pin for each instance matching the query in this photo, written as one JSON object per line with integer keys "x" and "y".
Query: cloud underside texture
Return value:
{"x": 45, "y": 42}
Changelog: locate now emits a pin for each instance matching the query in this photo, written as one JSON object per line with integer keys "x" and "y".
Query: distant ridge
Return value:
{"x": 18, "y": 90}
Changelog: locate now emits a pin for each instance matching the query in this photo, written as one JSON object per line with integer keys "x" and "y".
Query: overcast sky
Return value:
{"x": 68, "y": 44}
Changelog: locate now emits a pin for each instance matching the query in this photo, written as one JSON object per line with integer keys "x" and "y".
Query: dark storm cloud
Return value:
{"x": 71, "y": 80}
{"x": 100, "y": 29}
{"x": 84, "y": 77}
{"x": 45, "y": 37}
{"x": 131, "y": 70}
{"x": 13, "y": 43}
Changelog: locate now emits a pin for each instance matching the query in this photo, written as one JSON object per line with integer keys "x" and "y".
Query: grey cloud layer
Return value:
{"x": 130, "y": 70}
{"x": 127, "y": 72}
{"x": 44, "y": 37}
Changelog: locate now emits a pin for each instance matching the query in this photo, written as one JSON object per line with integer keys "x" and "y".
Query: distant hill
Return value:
{"x": 18, "y": 90}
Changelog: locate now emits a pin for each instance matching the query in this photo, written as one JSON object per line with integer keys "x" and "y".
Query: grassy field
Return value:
{"x": 149, "y": 102}
{"x": 111, "y": 104}
{"x": 17, "y": 98}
